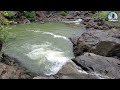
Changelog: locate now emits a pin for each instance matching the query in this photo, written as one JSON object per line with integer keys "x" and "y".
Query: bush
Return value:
{"x": 4, "y": 34}
{"x": 8, "y": 13}
{"x": 101, "y": 15}
{"x": 31, "y": 15}
{"x": 3, "y": 20}
{"x": 63, "y": 13}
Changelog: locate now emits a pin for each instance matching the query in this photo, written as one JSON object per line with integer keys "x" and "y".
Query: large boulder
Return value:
{"x": 71, "y": 71}
{"x": 92, "y": 63}
{"x": 105, "y": 43}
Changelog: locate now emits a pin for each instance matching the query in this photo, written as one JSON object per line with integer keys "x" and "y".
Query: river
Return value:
{"x": 42, "y": 48}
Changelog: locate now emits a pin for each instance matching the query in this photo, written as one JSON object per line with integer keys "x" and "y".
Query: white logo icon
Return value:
{"x": 112, "y": 16}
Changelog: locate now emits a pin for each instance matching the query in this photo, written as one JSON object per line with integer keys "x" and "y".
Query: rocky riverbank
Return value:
{"x": 96, "y": 51}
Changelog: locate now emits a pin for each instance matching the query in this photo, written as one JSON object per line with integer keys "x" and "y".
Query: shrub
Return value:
{"x": 4, "y": 34}
{"x": 8, "y": 13}
{"x": 30, "y": 15}
{"x": 63, "y": 13}
{"x": 101, "y": 15}
{"x": 3, "y": 20}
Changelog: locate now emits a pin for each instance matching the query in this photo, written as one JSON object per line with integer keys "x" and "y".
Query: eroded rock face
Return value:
{"x": 106, "y": 66}
{"x": 105, "y": 43}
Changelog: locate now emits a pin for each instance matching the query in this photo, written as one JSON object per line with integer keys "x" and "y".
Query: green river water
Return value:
{"x": 42, "y": 48}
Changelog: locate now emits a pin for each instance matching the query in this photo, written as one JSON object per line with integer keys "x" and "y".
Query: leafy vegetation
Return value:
{"x": 8, "y": 13}
{"x": 3, "y": 20}
{"x": 31, "y": 15}
{"x": 63, "y": 13}
{"x": 4, "y": 34}
{"x": 101, "y": 15}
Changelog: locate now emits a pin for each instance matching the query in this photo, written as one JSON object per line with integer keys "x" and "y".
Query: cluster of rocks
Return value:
{"x": 45, "y": 16}
{"x": 98, "y": 51}
{"x": 97, "y": 56}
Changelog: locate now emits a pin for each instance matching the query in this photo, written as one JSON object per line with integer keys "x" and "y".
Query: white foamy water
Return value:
{"x": 52, "y": 34}
{"x": 99, "y": 76}
{"x": 77, "y": 22}
{"x": 44, "y": 53}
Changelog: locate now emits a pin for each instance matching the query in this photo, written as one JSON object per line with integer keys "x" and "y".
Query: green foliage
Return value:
{"x": 101, "y": 15}
{"x": 63, "y": 13}
{"x": 8, "y": 13}
{"x": 3, "y": 20}
{"x": 4, "y": 34}
{"x": 30, "y": 15}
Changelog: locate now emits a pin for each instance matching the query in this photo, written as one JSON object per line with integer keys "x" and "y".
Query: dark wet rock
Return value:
{"x": 107, "y": 48}
{"x": 0, "y": 50}
{"x": 106, "y": 66}
{"x": 105, "y": 43}
{"x": 90, "y": 22}
{"x": 72, "y": 71}
{"x": 69, "y": 71}
{"x": 0, "y": 45}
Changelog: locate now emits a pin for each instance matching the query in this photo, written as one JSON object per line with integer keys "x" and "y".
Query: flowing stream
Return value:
{"x": 42, "y": 48}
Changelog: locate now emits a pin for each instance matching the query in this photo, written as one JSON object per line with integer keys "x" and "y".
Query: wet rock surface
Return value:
{"x": 105, "y": 43}
{"x": 72, "y": 71}
{"x": 105, "y": 66}
{"x": 69, "y": 71}
{"x": 10, "y": 69}
{"x": 97, "y": 51}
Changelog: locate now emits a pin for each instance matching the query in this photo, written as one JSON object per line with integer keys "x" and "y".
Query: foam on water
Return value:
{"x": 99, "y": 76}
{"x": 56, "y": 57}
{"x": 52, "y": 34}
